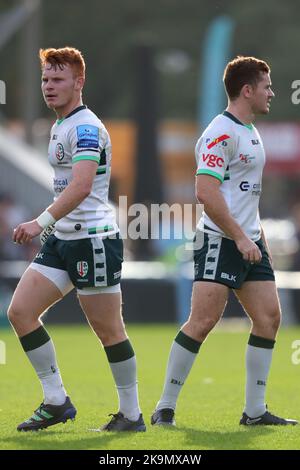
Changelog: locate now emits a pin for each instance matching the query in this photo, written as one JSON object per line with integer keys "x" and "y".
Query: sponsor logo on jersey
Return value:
{"x": 39, "y": 256}
{"x": 219, "y": 139}
{"x": 82, "y": 268}
{"x": 229, "y": 277}
{"x": 54, "y": 137}
{"x": 255, "y": 142}
{"x": 245, "y": 158}
{"x": 59, "y": 184}
{"x": 212, "y": 160}
{"x": 88, "y": 136}
{"x": 244, "y": 186}
{"x": 59, "y": 152}
{"x": 117, "y": 275}
{"x": 255, "y": 188}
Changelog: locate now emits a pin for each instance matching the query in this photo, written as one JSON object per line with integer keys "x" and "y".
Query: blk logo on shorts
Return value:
{"x": 82, "y": 268}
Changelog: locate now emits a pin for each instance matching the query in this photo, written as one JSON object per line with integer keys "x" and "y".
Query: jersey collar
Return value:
{"x": 76, "y": 110}
{"x": 236, "y": 120}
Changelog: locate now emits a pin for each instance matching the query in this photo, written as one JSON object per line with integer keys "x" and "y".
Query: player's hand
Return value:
{"x": 45, "y": 234}
{"x": 24, "y": 233}
{"x": 249, "y": 250}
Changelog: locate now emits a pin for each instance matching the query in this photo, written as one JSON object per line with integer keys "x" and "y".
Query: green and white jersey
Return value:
{"x": 82, "y": 136}
{"x": 233, "y": 153}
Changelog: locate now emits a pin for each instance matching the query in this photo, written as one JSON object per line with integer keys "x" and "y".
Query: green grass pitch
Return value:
{"x": 208, "y": 410}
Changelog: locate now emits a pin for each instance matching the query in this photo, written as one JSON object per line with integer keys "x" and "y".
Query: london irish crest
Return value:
{"x": 59, "y": 152}
{"x": 82, "y": 268}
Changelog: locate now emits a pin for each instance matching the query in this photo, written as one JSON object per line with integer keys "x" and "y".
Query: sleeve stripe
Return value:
{"x": 86, "y": 157}
{"x": 211, "y": 173}
{"x": 88, "y": 150}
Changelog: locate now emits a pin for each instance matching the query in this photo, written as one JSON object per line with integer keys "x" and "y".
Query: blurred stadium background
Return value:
{"x": 154, "y": 73}
{"x": 154, "y": 76}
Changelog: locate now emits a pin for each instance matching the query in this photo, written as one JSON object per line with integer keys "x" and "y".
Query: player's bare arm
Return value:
{"x": 208, "y": 193}
{"x": 79, "y": 188}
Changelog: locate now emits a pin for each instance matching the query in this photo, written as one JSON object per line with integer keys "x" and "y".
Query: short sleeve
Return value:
{"x": 213, "y": 153}
{"x": 86, "y": 142}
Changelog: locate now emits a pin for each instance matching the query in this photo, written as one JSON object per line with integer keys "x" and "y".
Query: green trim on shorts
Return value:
{"x": 211, "y": 173}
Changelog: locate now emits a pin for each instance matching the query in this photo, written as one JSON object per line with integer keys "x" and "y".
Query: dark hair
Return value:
{"x": 241, "y": 71}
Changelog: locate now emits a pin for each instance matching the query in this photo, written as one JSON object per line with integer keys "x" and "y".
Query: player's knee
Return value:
{"x": 201, "y": 328}
{"x": 275, "y": 320}
{"x": 109, "y": 334}
{"x": 270, "y": 321}
{"x": 207, "y": 325}
{"x": 14, "y": 314}
{"x": 110, "y": 338}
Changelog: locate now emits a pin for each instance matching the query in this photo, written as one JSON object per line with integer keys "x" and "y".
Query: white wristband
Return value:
{"x": 45, "y": 219}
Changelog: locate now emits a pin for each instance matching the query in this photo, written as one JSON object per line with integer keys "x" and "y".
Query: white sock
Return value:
{"x": 44, "y": 362}
{"x": 183, "y": 353}
{"x": 258, "y": 362}
{"x": 124, "y": 373}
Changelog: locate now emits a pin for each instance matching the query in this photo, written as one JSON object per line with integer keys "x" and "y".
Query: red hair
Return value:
{"x": 63, "y": 56}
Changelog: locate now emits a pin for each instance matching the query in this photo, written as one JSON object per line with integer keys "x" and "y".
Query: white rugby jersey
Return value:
{"x": 82, "y": 136}
{"x": 233, "y": 152}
